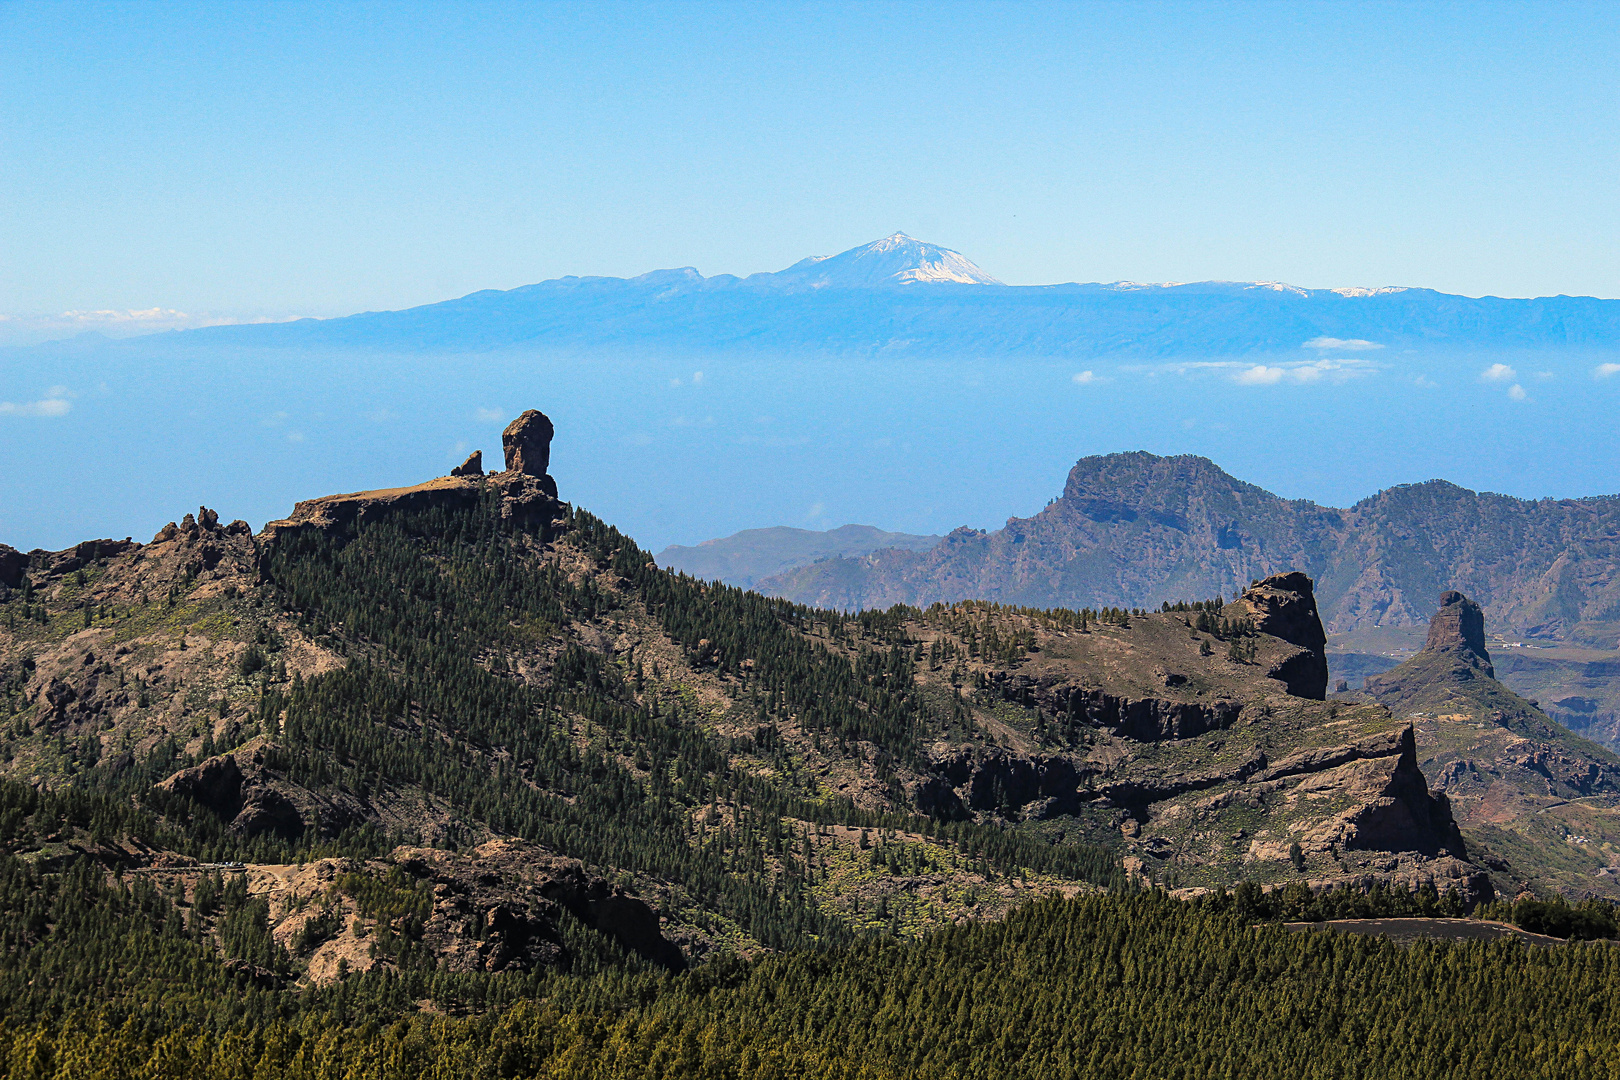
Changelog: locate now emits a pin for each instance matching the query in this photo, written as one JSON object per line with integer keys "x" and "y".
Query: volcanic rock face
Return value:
{"x": 501, "y": 906}
{"x": 1453, "y": 655}
{"x": 1459, "y": 625}
{"x": 527, "y": 494}
{"x": 1284, "y": 606}
{"x": 527, "y": 442}
{"x": 514, "y": 888}
{"x": 12, "y": 565}
{"x": 253, "y": 799}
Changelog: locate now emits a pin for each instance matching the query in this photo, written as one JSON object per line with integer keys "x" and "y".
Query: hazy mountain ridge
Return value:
{"x": 903, "y": 297}
{"x": 744, "y": 557}
{"x": 1135, "y": 529}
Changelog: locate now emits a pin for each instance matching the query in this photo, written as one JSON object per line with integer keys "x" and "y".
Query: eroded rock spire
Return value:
{"x": 527, "y": 442}
{"x": 1459, "y": 626}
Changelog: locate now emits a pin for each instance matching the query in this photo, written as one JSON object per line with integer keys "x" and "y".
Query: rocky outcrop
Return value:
{"x": 1284, "y": 606}
{"x": 13, "y": 565}
{"x": 527, "y": 443}
{"x": 525, "y": 493}
{"x": 999, "y": 781}
{"x": 500, "y": 907}
{"x": 56, "y": 564}
{"x": 253, "y": 799}
{"x": 1397, "y": 811}
{"x": 1459, "y": 626}
{"x": 344, "y": 513}
{"x": 1453, "y": 655}
{"x": 1142, "y": 719}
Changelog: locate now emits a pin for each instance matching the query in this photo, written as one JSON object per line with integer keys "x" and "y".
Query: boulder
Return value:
{"x": 473, "y": 466}
{"x": 527, "y": 442}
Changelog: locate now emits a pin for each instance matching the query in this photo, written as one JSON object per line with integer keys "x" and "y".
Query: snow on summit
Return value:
{"x": 894, "y": 260}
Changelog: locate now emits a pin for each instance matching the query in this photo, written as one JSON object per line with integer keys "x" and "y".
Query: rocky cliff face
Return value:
{"x": 527, "y": 443}
{"x": 1208, "y": 764}
{"x": 505, "y": 905}
{"x": 1283, "y": 606}
{"x": 1454, "y": 654}
{"x": 1459, "y": 626}
{"x": 525, "y": 492}
{"x": 1136, "y": 529}
{"x": 254, "y": 798}
{"x": 1532, "y": 793}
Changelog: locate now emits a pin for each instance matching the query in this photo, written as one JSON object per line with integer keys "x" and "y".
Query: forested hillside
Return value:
{"x": 1103, "y": 987}
{"x": 456, "y": 774}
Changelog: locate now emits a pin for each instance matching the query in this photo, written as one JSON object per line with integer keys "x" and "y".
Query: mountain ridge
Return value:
{"x": 904, "y": 297}
{"x": 1137, "y": 529}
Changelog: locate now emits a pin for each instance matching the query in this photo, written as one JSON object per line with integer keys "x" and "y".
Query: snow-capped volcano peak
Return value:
{"x": 894, "y": 260}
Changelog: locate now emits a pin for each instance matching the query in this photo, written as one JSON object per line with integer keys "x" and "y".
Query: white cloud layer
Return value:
{"x": 1289, "y": 372}
{"x": 1085, "y": 378}
{"x": 1604, "y": 371}
{"x": 51, "y": 406}
{"x": 1516, "y": 392}
{"x": 1341, "y": 344}
{"x": 1498, "y": 373}
{"x": 33, "y": 329}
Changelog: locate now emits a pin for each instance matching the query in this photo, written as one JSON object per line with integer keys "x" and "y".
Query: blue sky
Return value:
{"x": 175, "y": 165}
{"x": 239, "y": 160}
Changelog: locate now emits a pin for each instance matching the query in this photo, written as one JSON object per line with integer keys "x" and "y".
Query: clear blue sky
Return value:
{"x": 322, "y": 159}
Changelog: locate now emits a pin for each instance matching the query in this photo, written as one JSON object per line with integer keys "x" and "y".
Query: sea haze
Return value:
{"x": 895, "y": 384}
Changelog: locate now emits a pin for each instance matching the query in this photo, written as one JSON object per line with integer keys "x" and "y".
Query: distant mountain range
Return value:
{"x": 902, "y": 297}
{"x": 745, "y": 557}
{"x": 1136, "y": 529}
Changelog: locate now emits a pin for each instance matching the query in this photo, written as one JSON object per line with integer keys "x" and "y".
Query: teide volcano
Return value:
{"x": 902, "y": 297}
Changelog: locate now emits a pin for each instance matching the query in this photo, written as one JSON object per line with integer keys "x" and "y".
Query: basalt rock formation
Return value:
{"x": 527, "y": 442}
{"x": 13, "y": 563}
{"x": 1512, "y": 775}
{"x": 1284, "y": 606}
{"x": 1454, "y": 653}
{"x": 253, "y": 798}
{"x": 1207, "y": 763}
{"x": 502, "y": 906}
{"x": 525, "y": 492}
{"x": 1459, "y": 626}
{"x": 517, "y": 892}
